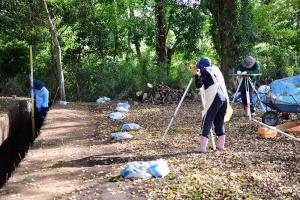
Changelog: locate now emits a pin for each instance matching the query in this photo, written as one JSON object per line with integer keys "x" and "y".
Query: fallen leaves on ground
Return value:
{"x": 250, "y": 168}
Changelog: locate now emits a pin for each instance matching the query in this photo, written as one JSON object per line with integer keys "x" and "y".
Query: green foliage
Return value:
{"x": 13, "y": 59}
{"x": 108, "y": 47}
{"x": 278, "y": 31}
{"x": 92, "y": 78}
{"x": 21, "y": 20}
{"x": 245, "y": 35}
{"x": 14, "y": 68}
{"x": 171, "y": 176}
{"x": 117, "y": 179}
{"x": 187, "y": 23}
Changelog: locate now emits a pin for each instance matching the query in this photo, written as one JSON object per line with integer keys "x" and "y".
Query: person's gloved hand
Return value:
{"x": 239, "y": 72}
{"x": 195, "y": 71}
{"x": 245, "y": 72}
{"x": 196, "y": 75}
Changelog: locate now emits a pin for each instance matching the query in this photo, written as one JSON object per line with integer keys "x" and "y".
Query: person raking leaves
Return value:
{"x": 217, "y": 109}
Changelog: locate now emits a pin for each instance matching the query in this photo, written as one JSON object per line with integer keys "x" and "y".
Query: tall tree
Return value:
{"x": 178, "y": 27}
{"x": 161, "y": 40}
{"x": 57, "y": 50}
{"x": 224, "y": 13}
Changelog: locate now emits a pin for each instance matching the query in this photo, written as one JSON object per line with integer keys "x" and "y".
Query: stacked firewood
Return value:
{"x": 162, "y": 94}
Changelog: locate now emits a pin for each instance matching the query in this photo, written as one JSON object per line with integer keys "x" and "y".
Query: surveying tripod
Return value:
{"x": 248, "y": 84}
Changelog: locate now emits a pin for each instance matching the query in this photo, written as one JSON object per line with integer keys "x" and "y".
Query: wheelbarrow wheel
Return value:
{"x": 270, "y": 118}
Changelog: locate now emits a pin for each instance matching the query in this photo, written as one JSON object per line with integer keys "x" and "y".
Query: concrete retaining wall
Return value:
{"x": 4, "y": 127}
{"x": 15, "y": 134}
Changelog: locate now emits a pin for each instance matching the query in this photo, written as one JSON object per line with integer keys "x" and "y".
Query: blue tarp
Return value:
{"x": 282, "y": 90}
{"x": 263, "y": 97}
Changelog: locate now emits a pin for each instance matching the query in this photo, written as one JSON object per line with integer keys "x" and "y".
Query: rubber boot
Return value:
{"x": 221, "y": 142}
{"x": 203, "y": 144}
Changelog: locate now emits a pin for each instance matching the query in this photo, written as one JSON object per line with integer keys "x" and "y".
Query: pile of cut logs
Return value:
{"x": 162, "y": 94}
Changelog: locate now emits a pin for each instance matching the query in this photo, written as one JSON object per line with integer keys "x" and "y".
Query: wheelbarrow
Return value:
{"x": 279, "y": 108}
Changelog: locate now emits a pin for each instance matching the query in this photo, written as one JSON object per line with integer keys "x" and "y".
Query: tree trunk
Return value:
{"x": 116, "y": 46}
{"x": 116, "y": 32}
{"x": 130, "y": 31}
{"x": 57, "y": 51}
{"x": 224, "y": 13}
{"x": 137, "y": 48}
{"x": 170, "y": 53}
{"x": 53, "y": 65}
{"x": 161, "y": 50}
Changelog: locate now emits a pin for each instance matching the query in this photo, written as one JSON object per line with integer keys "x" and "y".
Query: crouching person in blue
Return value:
{"x": 217, "y": 109}
{"x": 41, "y": 95}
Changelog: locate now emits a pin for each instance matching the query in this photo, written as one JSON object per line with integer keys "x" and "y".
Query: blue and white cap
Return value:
{"x": 203, "y": 63}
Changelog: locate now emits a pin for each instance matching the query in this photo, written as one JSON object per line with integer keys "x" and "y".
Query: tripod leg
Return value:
{"x": 175, "y": 113}
{"x": 235, "y": 94}
{"x": 248, "y": 97}
{"x": 253, "y": 87}
{"x": 213, "y": 139}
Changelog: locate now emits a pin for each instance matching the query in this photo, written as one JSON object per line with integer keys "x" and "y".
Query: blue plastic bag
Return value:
{"x": 103, "y": 100}
{"x": 121, "y": 136}
{"x": 130, "y": 126}
{"x": 159, "y": 168}
{"x": 116, "y": 116}
{"x": 136, "y": 170}
{"x": 123, "y": 107}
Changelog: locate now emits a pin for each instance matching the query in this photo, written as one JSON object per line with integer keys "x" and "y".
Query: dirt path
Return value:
{"x": 69, "y": 134}
{"x": 74, "y": 158}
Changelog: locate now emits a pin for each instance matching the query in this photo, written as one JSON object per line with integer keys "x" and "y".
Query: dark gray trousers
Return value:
{"x": 215, "y": 114}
